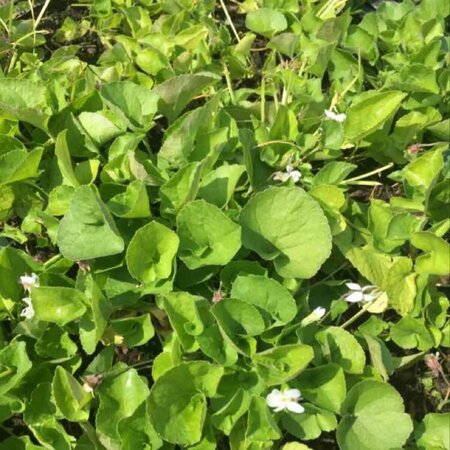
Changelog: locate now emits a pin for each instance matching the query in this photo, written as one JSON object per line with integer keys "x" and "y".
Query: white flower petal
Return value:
{"x": 353, "y": 286}
{"x": 370, "y": 297}
{"x": 295, "y": 175}
{"x": 340, "y": 117}
{"x": 281, "y": 176}
{"x": 320, "y": 312}
{"x": 369, "y": 287}
{"x": 295, "y": 407}
{"x": 275, "y": 399}
{"x": 354, "y": 297}
{"x": 292, "y": 394}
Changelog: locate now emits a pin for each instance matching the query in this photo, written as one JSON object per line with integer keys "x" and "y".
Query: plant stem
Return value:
{"x": 229, "y": 85}
{"x": 368, "y": 174}
{"x": 230, "y": 22}
{"x": 357, "y": 315}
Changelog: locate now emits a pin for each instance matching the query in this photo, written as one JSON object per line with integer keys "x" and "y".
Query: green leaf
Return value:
{"x": 178, "y": 401}
{"x": 333, "y": 173}
{"x": 309, "y": 424}
{"x": 59, "y": 305}
{"x": 151, "y": 252}
{"x": 214, "y": 345}
{"x": 19, "y": 164}
{"x": 114, "y": 406}
{"x": 25, "y": 100}
{"x": 266, "y": 294}
{"x": 180, "y": 189}
{"x": 131, "y": 204}
{"x": 324, "y": 386}
{"x": 134, "y": 104}
{"x": 94, "y": 321}
{"x": 412, "y": 333}
{"x": 373, "y": 418}
{"x": 433, "y": 432}
{"x": 218, "y": 186}
{"x": 340, "y": 347}
{"x": 239, "y": 321}
{"x": 281, "y": 364}
{"x": 183, "y": 310}
{"x": 266, "y": 21}
{"x": 436, "y": 259}
{"x": 135, "y": 330}
{"x": 14, "y": 365}
{"x": 55, "y": 343}
{"x": 226, "y": 418}
{"x": 369, "y": 112}
{"x": 87, "y": 230}
{"x": 178, "y": 91}
{"x": 207, "y": 235}
{"x": 287, "y": 226}
{"x": 69, "y": 395}
{"x": 261, "y": 426}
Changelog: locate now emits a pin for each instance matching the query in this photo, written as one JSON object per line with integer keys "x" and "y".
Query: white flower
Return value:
{"x": 89, "y": 389}
{"x": 331, "y": 115}
{"x": 27, "y": 312}
{"x": 288, "y": 399}
{"x": 319, "y": 312}
{"x": 361, "y": 294}
{"x": 29, "y": 281}
{"x": 294, "y": 175}
{"x": 315, "y": 316}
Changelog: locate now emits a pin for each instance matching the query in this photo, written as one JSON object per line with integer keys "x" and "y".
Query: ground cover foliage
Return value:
{"x": 223, "y": 225}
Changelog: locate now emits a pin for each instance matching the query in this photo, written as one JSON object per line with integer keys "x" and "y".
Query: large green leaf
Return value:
{"x": 14, "y": 365}
{"x": 177, "y": 92}
{"x": 267, "y": 294}
{"x": 373, "y": 418}
{"x": 370, "y": 111}
{"x": 59, "y": 305}
{"x": 26, "y": 100}
{"x": 287, "y": 226}
{"x": 151, "y": 253}
{"x": 434, "y": 432}
{"x": 324, "y": 386}
{"x": 182, "y": 309}
{"x": 341, "y": 347}
{"x": 207, "y": 236}
{"x": 19, "y": 164}
{"x": 87, "y": 230}
{"x": 436, "y": 259}
{"x": 239, "y": 322}
{"x": 114, "y": 406}
{"x": 135, "y": 104}
{"x": 178, "y": 401}
{"x": 281, "y": 364}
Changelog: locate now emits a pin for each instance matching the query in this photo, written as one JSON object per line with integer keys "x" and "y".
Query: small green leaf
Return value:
{"x": 69, "y": 395}
{"x": 151, "y": 253}
{"x": 266, "y": 21}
